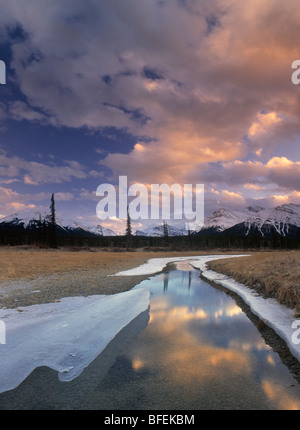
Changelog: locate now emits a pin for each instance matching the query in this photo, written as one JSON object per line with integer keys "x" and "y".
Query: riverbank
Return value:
{"x": 273, "y": 274}
{"x": 274, "y": 320}
{"x": 34, "y": 276}
{"x": 31, "y": 276}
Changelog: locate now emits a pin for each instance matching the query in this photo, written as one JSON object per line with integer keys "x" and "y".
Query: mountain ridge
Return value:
{"x": 283, "y": 220}
{"x": 30, "y": 218}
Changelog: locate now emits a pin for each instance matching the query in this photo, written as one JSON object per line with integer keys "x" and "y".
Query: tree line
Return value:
{"x": 47, "y": 233}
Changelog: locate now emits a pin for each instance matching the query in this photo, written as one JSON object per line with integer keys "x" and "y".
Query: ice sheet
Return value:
{"x": 65, "y": 336}
{"x": 69, "y": 334}
{"x": 156, "y": 265}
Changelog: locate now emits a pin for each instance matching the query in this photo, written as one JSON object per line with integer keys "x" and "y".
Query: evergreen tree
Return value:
{"x": 52, "y": 210}
{"x": 52, "y": 225}
{"x": 166, "y": 232}
{"x": 128, "y": 225}
{"x": 128, "y": 230}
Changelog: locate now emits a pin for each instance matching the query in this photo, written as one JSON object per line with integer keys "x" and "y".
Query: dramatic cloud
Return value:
{"x": 203, "y": 87}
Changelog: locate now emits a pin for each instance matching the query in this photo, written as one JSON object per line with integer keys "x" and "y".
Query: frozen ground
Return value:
{"x": 67, "y": 335}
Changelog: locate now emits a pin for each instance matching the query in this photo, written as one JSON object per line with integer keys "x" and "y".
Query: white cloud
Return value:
{"x": 19, "y": 110}
{"x": 40, "y": 173}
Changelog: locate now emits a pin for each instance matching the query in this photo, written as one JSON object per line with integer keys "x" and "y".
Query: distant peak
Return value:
{"x": 288, "y": 206}
{"x": 255, "y": 208}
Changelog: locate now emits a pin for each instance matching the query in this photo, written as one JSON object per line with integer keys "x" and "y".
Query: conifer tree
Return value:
{"x": 52, "y": 210}
{"x": 52, "y": 225}
{"x": 166, "y": 232}
{"x": 128, "y": 230}
{"x": 128, "y": 225}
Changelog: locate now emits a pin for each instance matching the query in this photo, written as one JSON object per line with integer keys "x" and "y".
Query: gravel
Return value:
{"x": 50, "y": 288}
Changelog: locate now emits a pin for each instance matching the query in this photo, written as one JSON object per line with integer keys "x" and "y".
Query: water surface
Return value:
{"x": 193, "y": 349}
{"x": 198, "y": 351}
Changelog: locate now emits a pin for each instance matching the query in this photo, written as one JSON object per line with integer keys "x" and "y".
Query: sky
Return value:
{"x": 159, "y": 91}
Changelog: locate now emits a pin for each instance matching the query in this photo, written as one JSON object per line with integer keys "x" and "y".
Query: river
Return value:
{"x": 193, "y": 349}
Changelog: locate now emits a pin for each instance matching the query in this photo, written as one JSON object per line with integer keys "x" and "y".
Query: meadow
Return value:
{"x": 273, "y": 274}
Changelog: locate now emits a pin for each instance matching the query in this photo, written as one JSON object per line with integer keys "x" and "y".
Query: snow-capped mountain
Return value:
{"x": 158, "y": 231}
{"x": 222, "y": 219}
{"x": 97, "y": 229}
{"x": 30, "y": 219}
{"x": 24, "y": 218}
{"x": 282, "y": 220}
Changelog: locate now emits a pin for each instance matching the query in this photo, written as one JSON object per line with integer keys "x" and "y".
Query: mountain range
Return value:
{"x": 29, "y": 220}
{"x": 282, "y": 220}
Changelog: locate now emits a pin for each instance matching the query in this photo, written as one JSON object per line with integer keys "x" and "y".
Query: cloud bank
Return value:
{"x": 203, "y": 86}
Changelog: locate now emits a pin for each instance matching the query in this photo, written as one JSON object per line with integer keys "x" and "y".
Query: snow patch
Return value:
{"x": 66, "y": 335}
{"x": 275, "y": 315}
{"x": 155, "y": 265}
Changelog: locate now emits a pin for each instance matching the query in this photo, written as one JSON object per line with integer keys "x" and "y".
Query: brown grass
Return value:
{"x": 28, "y": 263}
{"x": 272, "y": 274}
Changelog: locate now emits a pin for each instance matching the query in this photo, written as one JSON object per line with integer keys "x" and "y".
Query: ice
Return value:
{"x": 277, "y": 316}
{"x": 156, "y": 265}
{"x": 65, "y": 336}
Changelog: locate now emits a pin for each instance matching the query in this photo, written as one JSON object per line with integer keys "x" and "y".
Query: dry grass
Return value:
{"x": 30, "y": 275}
{"x": 272, "y": 274}
{"x": 19, "y": 263}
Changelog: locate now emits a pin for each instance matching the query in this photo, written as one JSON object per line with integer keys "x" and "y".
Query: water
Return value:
{"x": 193, "y": 349}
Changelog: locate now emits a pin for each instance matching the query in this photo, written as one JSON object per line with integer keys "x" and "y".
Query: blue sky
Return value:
{"x": 162, "y": 91}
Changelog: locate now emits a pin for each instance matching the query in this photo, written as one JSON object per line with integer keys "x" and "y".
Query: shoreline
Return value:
{"x": 272, "y": 319}
{"x": 121, "y": 275}
{"x": 31, "y": 276}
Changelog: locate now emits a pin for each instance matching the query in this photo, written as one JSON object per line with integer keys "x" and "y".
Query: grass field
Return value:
{"x": 20, "y": 262}
{"x": 272, "y": 274}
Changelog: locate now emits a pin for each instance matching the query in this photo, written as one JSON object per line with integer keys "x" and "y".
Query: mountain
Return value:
{"x": 98, "y": 229}
{"x": 222, "y": 219}
{"x": 282, "y": 220}
{"x": 30, "y": 219}
{"x": 158, "y": 231}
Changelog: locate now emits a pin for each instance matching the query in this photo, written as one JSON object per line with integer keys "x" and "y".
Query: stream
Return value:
{"x": 193, "y": 349}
